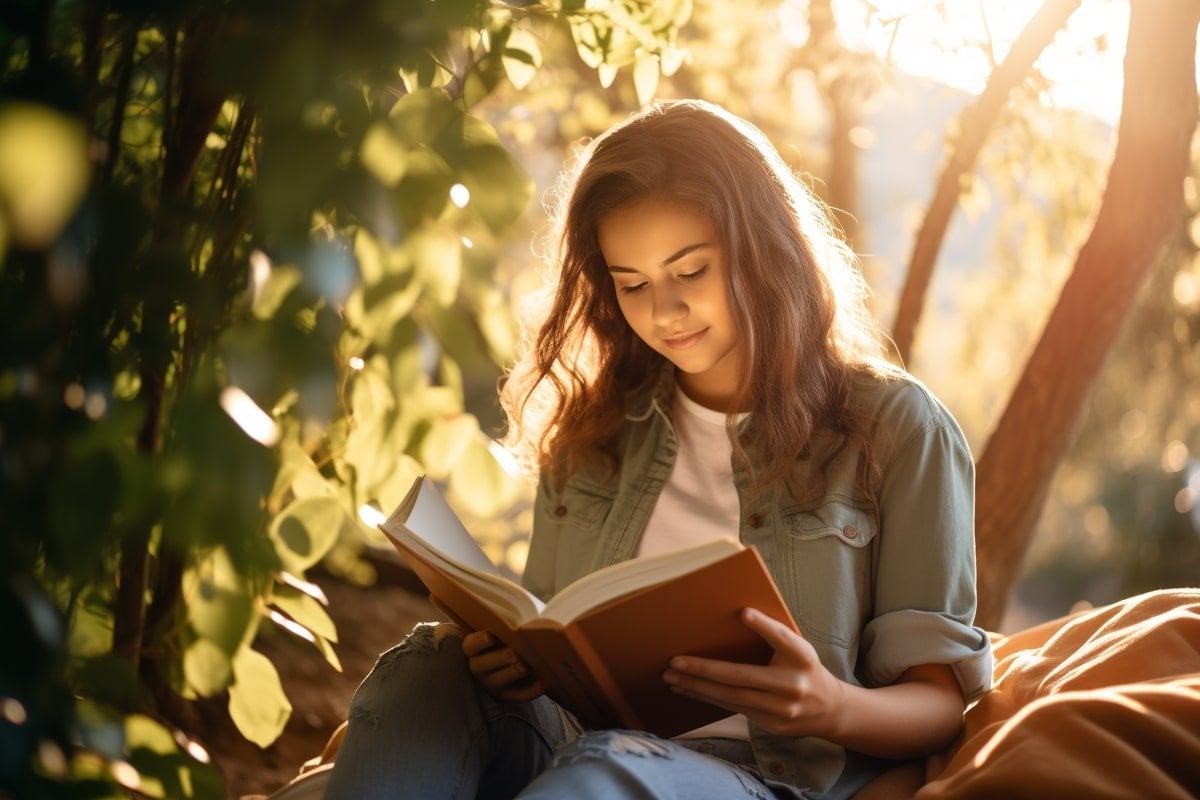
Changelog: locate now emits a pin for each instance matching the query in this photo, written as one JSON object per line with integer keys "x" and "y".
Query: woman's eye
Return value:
{"x": 691, "y": 276}
{"x": 634, "y": 289}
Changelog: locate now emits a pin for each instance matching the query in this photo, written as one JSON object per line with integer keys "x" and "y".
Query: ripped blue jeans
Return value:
{"x": 421, "y": 728}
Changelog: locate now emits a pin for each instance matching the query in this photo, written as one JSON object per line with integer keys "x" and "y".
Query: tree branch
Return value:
{"x": 124, "y": 74}
{"x": 975, "y": 123}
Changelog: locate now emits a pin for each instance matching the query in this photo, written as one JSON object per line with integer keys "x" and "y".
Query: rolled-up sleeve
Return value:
{"x": 924, "y": 576}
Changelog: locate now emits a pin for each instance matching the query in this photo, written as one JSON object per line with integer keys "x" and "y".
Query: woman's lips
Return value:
{"x": 687, "y": 340}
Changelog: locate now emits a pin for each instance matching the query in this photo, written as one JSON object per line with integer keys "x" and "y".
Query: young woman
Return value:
{"x": 706, "y": 367}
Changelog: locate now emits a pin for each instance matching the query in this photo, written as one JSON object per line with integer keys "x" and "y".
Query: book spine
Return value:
{"x": 590, "y": 660}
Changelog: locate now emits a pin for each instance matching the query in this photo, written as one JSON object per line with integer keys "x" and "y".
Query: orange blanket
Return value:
{"x": 1102, "y": 704}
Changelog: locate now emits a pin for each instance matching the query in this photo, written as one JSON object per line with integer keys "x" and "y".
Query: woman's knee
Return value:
{"x": 429, "y": 661}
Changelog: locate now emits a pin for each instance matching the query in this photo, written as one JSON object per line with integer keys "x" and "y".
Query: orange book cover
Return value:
{"x": 602, "y": 644}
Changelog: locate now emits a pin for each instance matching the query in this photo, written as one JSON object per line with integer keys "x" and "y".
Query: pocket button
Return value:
{"x": 849, "y": 531}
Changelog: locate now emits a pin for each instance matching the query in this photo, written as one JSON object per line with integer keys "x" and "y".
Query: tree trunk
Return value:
{"x": 1141, "y": 208}
{"x": 975, "y": 123}
{"x": 841, "y": 177}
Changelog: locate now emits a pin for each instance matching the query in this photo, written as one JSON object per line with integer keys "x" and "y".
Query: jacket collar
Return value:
{"x": 655, "y": 397}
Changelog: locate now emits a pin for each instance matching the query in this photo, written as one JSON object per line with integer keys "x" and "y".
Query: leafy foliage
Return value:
{"x": 241, "y": 245}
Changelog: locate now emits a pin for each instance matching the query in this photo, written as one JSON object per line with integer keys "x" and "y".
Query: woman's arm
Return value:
{"x": 795, "y": 695}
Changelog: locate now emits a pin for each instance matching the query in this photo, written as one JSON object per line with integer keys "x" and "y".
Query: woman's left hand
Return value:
{"x": 792, "y": 695}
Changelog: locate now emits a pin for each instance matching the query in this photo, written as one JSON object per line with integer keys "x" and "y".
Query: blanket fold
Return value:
{"x": 1102, "y": 704}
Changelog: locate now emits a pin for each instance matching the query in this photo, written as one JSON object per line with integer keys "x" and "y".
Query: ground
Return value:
{"x": 369, "y": 620}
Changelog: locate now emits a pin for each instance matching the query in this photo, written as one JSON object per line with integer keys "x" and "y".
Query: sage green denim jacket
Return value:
{"x": 877, "y": 581}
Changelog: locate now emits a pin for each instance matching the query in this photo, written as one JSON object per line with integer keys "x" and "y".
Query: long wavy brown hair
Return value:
{"x": 794, "y": 288}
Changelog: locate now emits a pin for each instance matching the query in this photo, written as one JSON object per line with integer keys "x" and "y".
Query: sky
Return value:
{"x": 927, "y": 38}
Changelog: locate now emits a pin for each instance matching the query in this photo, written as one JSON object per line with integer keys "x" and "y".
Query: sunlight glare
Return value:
{"x": 256, "y": 423}
{"x": 126, "y": 774}
{"x": 307, "y": 587}
{"x": 260, "y": 272}
{"x": 12, "y": 711}
{"x": 294, "y": 628}
{"x": 950, "y": 43}
{"x": 793, "y": 22}
{"x": 371, "y": 515}
{"x": 192, "y": 748}
{"x": 504, "y": 458}
{"x": 1175, "y": 456}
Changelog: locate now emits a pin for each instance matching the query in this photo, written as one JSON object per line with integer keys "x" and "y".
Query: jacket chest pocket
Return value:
{"x": 575, "y": 518}
{"x": 580, "y": 506}
{"x": 823, "y": 566}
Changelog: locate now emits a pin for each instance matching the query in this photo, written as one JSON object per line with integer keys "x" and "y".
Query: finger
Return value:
{"x": 737, "y": 699}
{"x": 507, "y": 678}
{"x": 491, "y": 662}
{"x": 727, "y": 673}
{"x": 477, "y": 642}
{"x": 781, "y": 637}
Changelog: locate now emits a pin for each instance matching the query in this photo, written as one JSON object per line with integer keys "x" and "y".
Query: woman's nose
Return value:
{"x": 669, "y": 306}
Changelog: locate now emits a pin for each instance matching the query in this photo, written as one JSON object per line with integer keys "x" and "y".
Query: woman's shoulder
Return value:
{"x": 899, "y": 402}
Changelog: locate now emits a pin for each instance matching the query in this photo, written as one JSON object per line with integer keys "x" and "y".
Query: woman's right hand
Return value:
{"x": 502, "y": 672}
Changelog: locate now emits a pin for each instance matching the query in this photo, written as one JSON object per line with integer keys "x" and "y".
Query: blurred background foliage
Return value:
{"x": 247, "y": 261}
{"x": 261, "y": 265}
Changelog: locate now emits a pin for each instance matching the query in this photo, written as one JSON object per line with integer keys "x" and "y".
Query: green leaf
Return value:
{"x": 305, "y": 610}
{"x": 220, "y": 602}
{"x": 44, "y": 171}
{"x": 522, "y": 57}
{"x": 468, "y": 151}
{"x": 329, "y": 653}
{"x": 370, "y": 450}
{"x": 91, "y": 627}
{"x": 645, "y": 78}
{"x": 437, "y": 252}
{"x": 500, "y": 187}
{"x": 281, "y": 279}
{"x": 305, "y": 530}
{"x": 206, "y": 667}
{"x": 479, "y": 485}
{"x": 164, "y": 770}
{"x": 383, "y": 154}
{"x": 446, "y": 441}
{"x": 257, "y": 703}
{"x": 497, "y": 326}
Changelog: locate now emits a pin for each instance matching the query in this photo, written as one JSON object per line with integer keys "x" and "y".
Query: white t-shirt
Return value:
{"x": 698, "y": 503}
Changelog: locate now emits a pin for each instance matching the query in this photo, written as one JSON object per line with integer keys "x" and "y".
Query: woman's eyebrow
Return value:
{"x": 671, "y": 259}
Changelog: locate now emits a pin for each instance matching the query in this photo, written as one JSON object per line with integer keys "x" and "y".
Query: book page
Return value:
{"x": 510, "y": 600}
{"x": 620, "y": 579}
{"x": 432, "y": 519}
{"x": 426, "y": 529}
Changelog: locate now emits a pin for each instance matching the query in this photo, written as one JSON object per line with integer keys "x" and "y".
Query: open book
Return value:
{"x": 600, "y": 645}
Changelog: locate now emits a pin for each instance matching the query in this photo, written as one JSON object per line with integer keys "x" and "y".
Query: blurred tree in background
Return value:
{"x": 260, "y": 266}
{"x": 242, "y": 246}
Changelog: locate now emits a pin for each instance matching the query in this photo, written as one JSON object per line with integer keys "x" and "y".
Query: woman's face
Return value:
{"x": 669, "y": 273}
